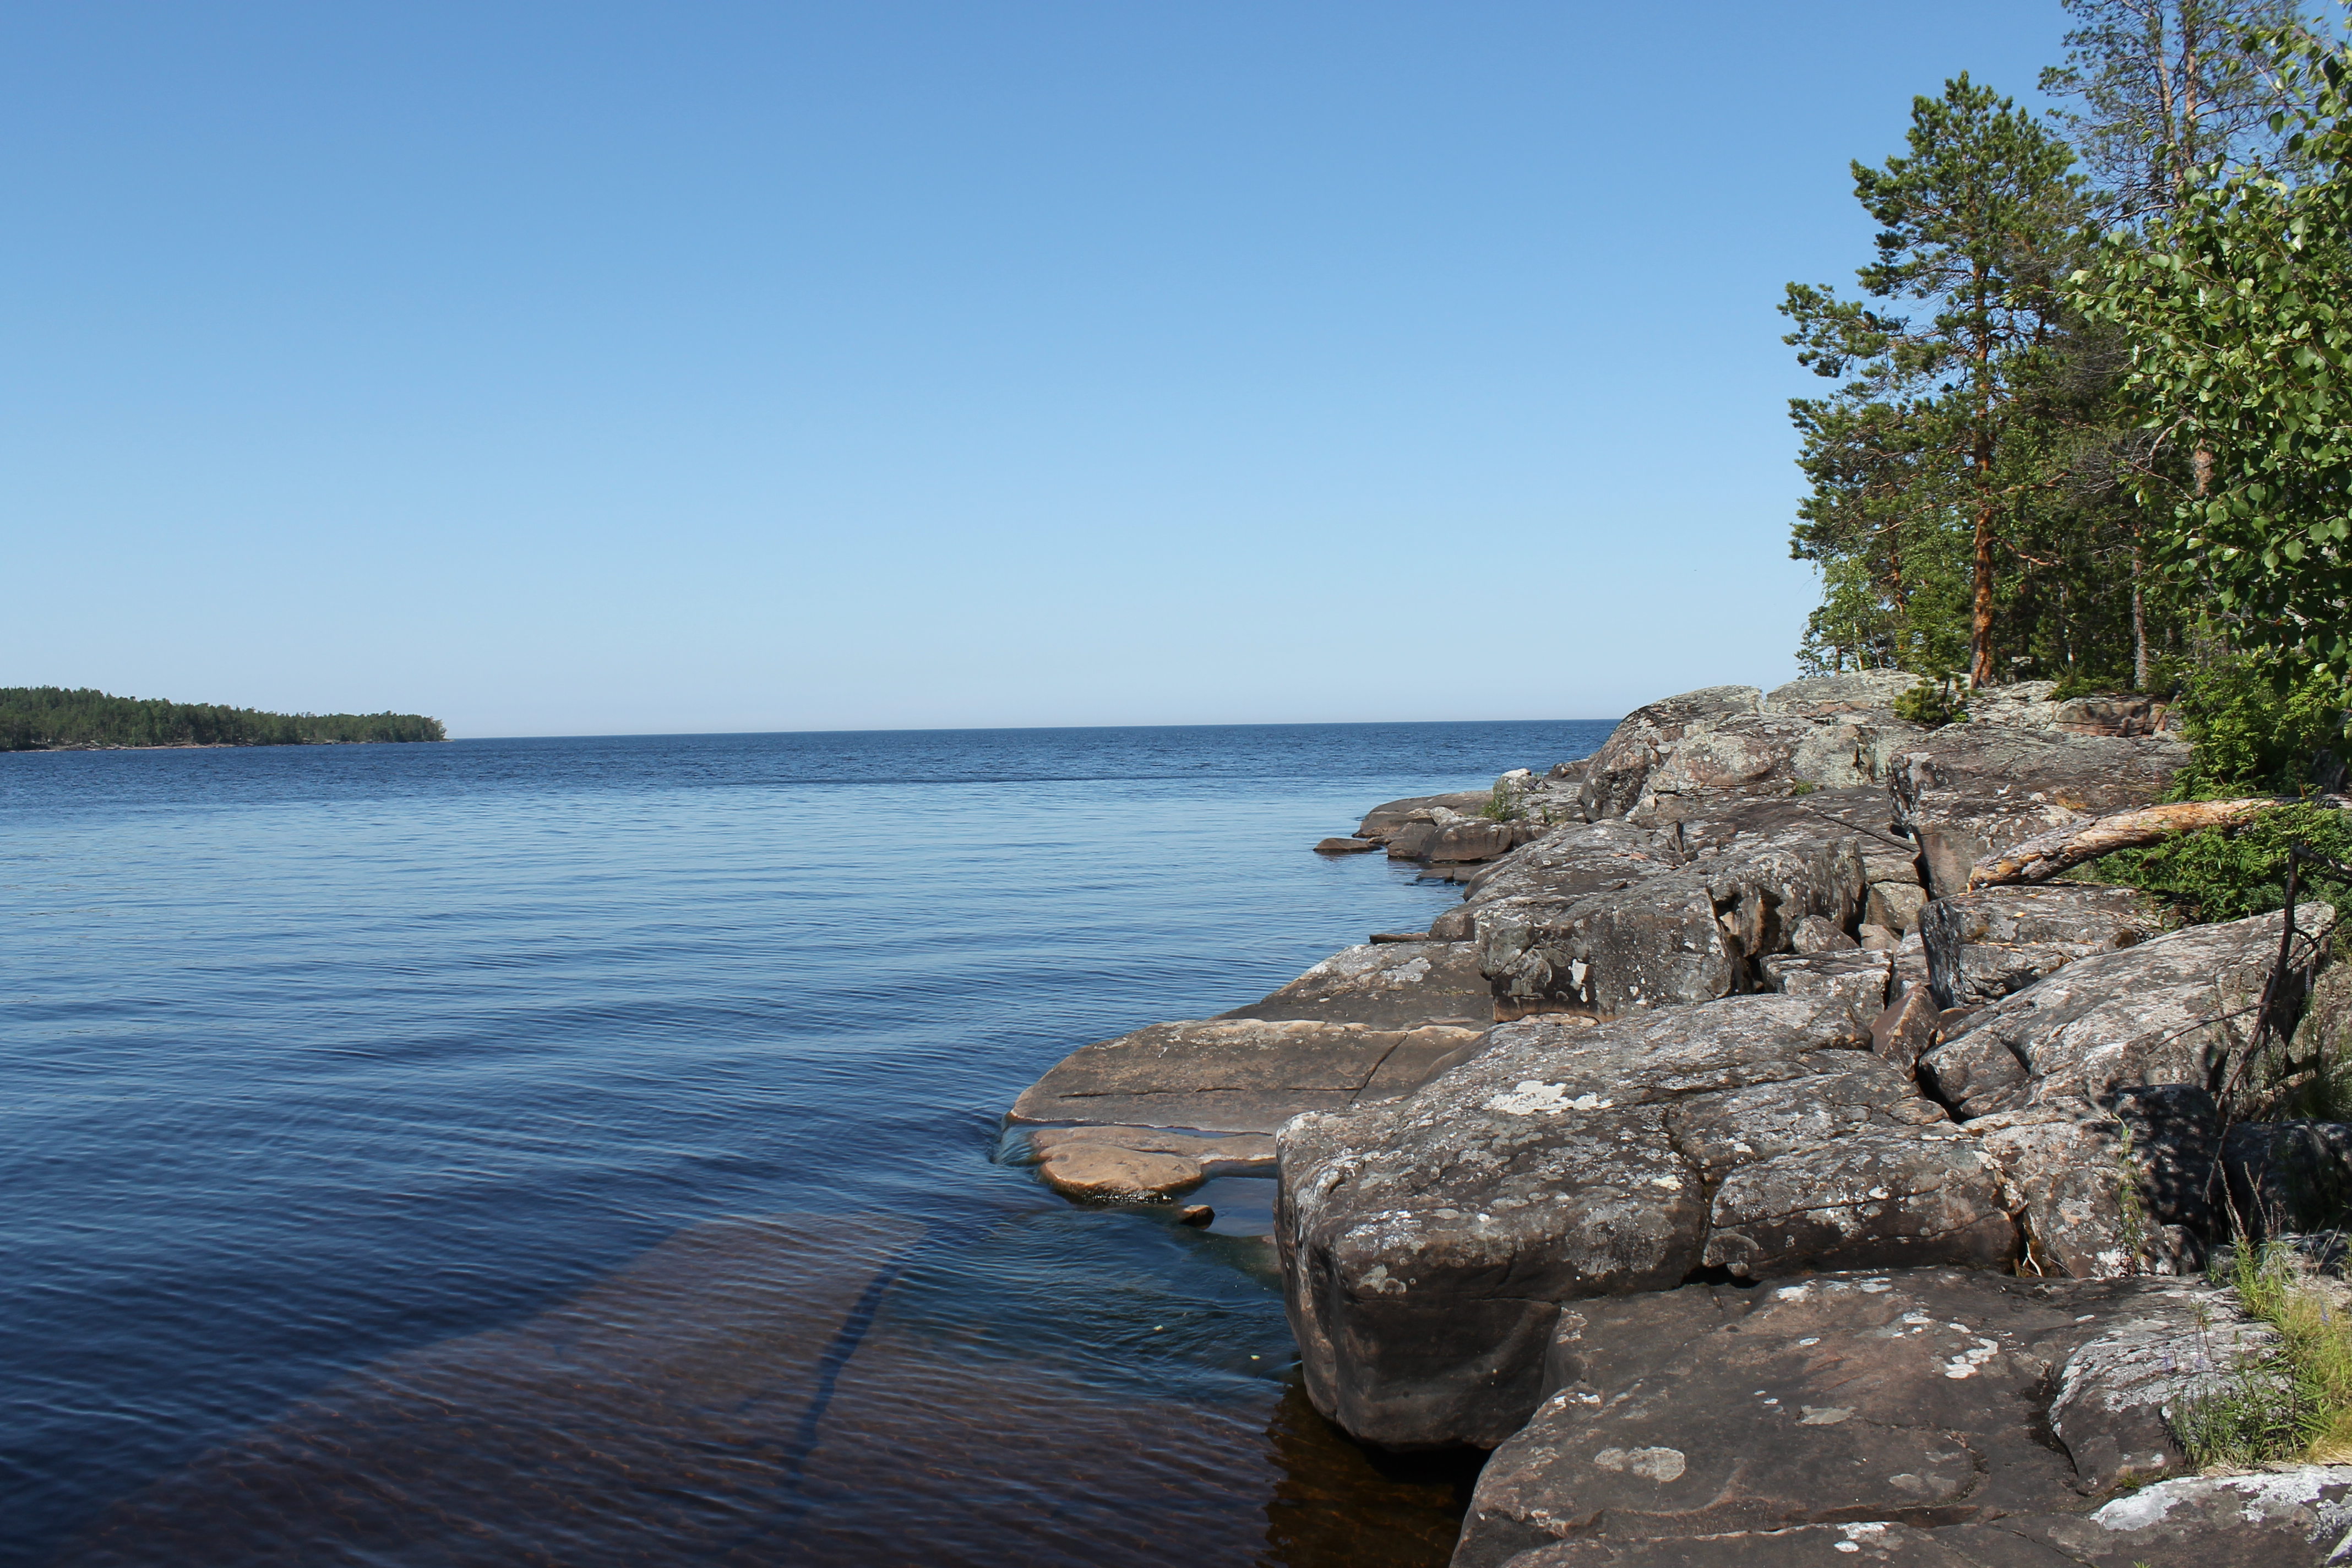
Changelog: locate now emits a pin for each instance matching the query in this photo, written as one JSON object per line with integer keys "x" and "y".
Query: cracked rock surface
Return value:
{"x": 1984, "y": 945}
{"x": 2148, "y": 1014}
{"x": 1612, "y": 917}
{"x": 1429, "y": 1244}
{"x": 1921, "y": 1399}
{"x": 1970, "y": 789}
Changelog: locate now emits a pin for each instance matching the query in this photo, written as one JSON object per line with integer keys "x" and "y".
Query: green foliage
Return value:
{"x": 43, "y": 718}
{"x": 2293, "y": 1402}
{"x": 2250, "y": 736}
{"x": 2235, "y": 305}
{"x": 1912, "y": 460}
{"x": 1503, "y": 804}
{"x": 1933, "y": 705}
{"x": 2219, "y": 876}
{"x": 2165, "y": 88}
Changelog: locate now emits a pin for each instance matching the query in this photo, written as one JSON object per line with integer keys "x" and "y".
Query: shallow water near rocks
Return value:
{"x": 579, "y": 1151}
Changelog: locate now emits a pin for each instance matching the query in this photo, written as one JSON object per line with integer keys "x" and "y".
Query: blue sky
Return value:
{"x": 586, "y": 368}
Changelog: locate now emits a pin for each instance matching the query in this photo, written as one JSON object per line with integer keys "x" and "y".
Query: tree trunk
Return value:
{"x": 2139, "y": 626}
{"x": 2041, "y": 858}
{"x": 1981, "y": 609}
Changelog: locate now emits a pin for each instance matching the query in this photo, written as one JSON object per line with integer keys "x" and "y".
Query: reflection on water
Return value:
{"x": 741, "y": 1395}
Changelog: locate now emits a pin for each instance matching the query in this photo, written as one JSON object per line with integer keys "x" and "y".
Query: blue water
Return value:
{"x": 581, "y": 1149}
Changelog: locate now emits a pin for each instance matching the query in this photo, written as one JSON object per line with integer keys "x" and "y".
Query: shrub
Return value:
{"x": 1503, "y": 804}
{"x": 1933, "y": 704}
{"x": 2252, "y": 730}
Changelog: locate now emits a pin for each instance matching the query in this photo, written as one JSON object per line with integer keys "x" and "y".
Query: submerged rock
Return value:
{"x": 1428, "y": 1245}
{"x": 1107, "y": 1172}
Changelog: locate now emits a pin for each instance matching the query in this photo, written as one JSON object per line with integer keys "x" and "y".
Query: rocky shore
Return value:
{"x": 1752, "y": 1189}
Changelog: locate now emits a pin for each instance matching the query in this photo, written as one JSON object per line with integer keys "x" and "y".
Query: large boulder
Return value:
{"x": 2092, "y": 1089}
{"x": 1970, "y": 789}
{"x": 1387, "y": 985}
{"x": 1236, "y": 1075}
{"x": 1615, "y": 917}
{"x": 1928, "y": 1397}
{"x": 2161, "y": 1012}
{"x": 1428, "y": 1245}
{"x": 1982, "y": 946}
{"x": 1616, "y": 775}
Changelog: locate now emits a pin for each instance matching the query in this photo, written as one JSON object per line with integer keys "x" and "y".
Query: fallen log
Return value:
{"x": 2042, "y": 856}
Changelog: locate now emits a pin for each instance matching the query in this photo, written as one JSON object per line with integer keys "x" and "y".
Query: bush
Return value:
{"x": 1932, "y": 705}
{"x": 2252, "y": 732}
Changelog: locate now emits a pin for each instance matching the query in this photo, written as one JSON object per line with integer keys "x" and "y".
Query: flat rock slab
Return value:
{"x": 1234, "y": 1155}
{"x": 2148, "y": 1014}
{"x": 1389, "y": 984}
{"x": 1429, "y": 1244}
{"x": 1970, "y": 789}
{"x": 1919, "y": 1396}
{"x": 1858, "y": 975}
{"x": 1984, "y": 945}
{"x": 1238, "y": 1076}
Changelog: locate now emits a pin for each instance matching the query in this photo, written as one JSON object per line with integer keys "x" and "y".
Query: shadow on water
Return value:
{"x": 742, "y": 1394}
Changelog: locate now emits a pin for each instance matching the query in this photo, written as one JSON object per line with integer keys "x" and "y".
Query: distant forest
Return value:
{"x": 48, "y": 718}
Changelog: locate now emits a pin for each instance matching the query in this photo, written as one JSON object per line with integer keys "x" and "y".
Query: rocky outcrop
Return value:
{"x": 1616, "y": 775}
{"x": 1429, "y": 1245}
{"x": 1383, "y": 822}
{"x": 1921, "y": 1397}
{"x": 1829, "y": 696}
{"x": 1616, "y": 917}
{"x": 2161, "y": 1012}
{"x": 1970, "y": 789}
{"x": 1985, "y": 945}
{"x": 1238, "y": 1075}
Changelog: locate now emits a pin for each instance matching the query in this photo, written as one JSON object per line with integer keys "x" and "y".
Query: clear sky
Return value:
{"x": 579, "y": 368}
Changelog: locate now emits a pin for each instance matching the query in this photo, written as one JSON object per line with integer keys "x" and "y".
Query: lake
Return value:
{"x": 583, "y": 1151}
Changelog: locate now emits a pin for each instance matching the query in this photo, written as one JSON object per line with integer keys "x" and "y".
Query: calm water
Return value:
{"x": 580, "y": 1151}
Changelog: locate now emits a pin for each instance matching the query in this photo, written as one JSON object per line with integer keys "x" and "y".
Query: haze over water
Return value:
{"x": 581, "y": 1151}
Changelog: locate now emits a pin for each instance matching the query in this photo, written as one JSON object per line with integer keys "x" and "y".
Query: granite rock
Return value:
{"x": 1970, "y": 789}
{"x": 1615, "y": 917}
{"x": 1389, "y": 984}
{"x": 1104, "y": 1172}
{"x": 1616, "y": 775}
{"x": 2153, "y": 1013}
{"x": 1984, "y": 945}
{"x": 1922, "y": 1397}
{"x": 1825, "y": 696}
{"x": 1429, "y": 1244}
{"x": 2290, "y": 1176}
{"x": 1237, "y": 1075}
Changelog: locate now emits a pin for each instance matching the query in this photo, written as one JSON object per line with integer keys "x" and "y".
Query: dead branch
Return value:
{"x": 2042, "y": 856}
